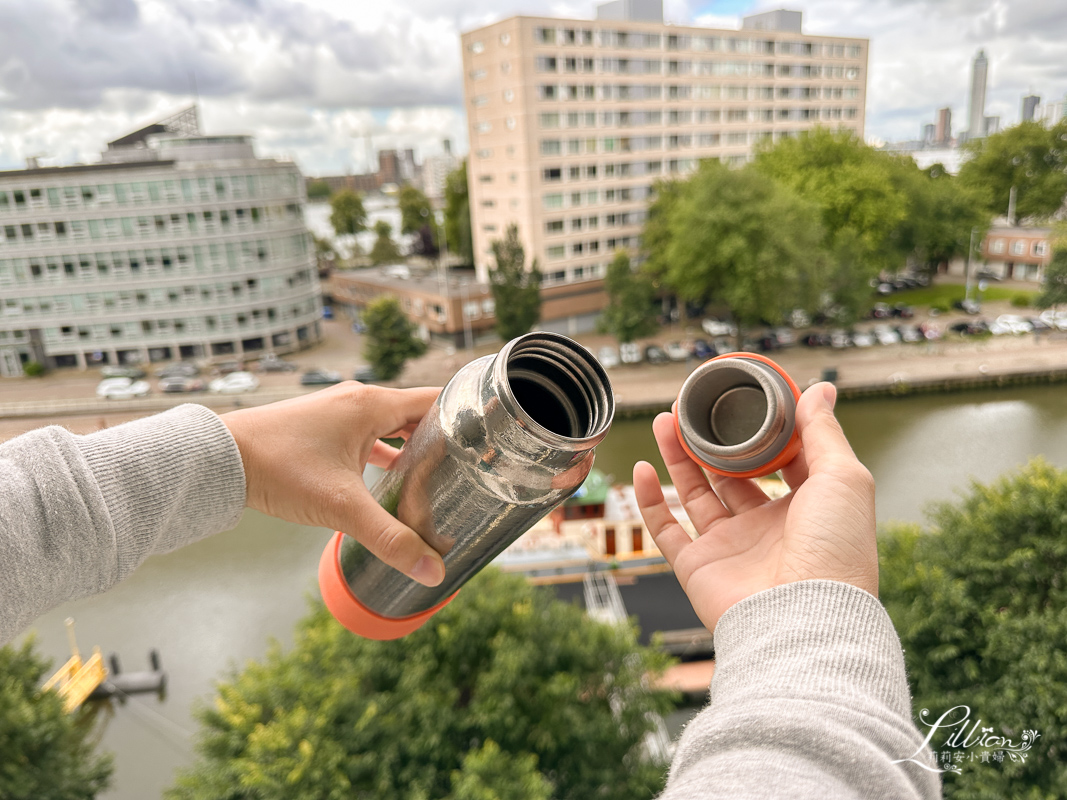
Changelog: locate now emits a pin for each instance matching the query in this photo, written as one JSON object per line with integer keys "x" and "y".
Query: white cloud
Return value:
{"x": 309, "y": 77}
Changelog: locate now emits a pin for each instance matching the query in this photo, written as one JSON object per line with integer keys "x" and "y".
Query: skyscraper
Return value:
{"x": 1030, "y": 104}
{"x": 943, "y": 134}
{"x": 976, "y": 111}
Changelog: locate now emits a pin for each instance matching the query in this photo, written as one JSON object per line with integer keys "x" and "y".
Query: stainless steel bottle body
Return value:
{"x": 510, "y": 437}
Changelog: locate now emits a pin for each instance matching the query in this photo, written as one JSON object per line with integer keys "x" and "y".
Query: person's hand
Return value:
{"x": 746, "y": 543}
{"x": 304, "y": 460}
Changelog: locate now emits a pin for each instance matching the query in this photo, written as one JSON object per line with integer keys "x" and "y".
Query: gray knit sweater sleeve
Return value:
{"x": 809, "y": 700}
{"x": 80, "y": 513}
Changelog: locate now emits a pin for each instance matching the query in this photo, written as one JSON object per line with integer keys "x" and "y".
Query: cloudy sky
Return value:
{"x": 315, "y": 79}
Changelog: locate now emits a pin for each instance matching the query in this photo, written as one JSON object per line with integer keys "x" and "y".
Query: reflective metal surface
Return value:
{"x": 736, "y": 414}
{"x": 510, "y": 437}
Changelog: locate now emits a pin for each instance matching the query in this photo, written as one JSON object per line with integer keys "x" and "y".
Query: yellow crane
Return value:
{"x": 77, "y": 679}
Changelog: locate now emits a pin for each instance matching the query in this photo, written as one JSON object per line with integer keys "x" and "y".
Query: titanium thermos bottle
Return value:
{"x": 509, "y": 438}
{"x": 736, "y": 416}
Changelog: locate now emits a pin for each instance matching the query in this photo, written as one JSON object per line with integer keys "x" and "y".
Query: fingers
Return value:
{"x": 700, "y": 502}
{"x": 820, "y": 433}
{"x": 354, "y": 511}
{"x": 796, "y": 471}
{"x": 738, "y": 495}
{"x": 669, "y": 536}
{"x": 382, "y": 454}
{"x": 394, "y": 410}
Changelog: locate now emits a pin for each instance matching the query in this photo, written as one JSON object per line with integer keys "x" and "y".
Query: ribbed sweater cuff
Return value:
{"x": 809, "y": 638}
{"x": 167, "y": 480}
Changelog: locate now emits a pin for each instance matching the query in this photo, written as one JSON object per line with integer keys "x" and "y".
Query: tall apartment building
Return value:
{"x": 175, "y": 245}
{"x": 976, "y": 108}
{"x": 572, "y": 121}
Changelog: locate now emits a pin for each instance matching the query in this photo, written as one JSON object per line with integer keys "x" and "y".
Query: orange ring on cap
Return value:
{"x": 789, "y": 452}
{"x": 351, "y": 613}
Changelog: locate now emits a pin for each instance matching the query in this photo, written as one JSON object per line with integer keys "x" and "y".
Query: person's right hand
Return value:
{"x": 746, "y": 543}
{"x": 304, "y": 461}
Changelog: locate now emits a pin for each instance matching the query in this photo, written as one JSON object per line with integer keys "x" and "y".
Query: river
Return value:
{"x": 212, "y": 606}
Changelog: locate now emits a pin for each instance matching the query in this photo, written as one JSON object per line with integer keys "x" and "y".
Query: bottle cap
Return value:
{"x": 351, "y": 613}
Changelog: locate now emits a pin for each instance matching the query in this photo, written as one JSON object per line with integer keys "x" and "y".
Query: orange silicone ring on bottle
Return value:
{"x": 736, "y": 416}
{"x": 351, "y": 613}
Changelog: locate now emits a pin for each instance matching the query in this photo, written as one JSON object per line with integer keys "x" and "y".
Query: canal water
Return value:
{"x": 212, "y": 606}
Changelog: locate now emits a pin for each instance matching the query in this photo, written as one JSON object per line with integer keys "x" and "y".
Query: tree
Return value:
{"x": 347, "y": 215}
{"x": 458, "y": 215}
{"x": 318, "y": 190}
{"x": 944, "y": 214}
{"x": 631, "y": 295}
{"x": 507, "y": 693}
{"x": 391, "y": 338}
{"x": 417, "y": 218}
{"x": 45, "y": 753}
{"x": 737, "y": 237}
{"x": 980, "y": 603}
{"x": 1054, "y": 290}
{"x": 862, "y": 196}
{"x": 516, "y": 290}
{"x": 1029, "y": 157}
{"x": 384, "y": 249}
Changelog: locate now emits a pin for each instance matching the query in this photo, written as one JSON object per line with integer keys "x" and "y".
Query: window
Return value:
{"x": 1039, "y": 248}
{"x": 549, "y": 119}
{"x": 479, "y": 100}
{"x": 553, "y": 200}
{"x": 485, "y": 152}
{"x": 547, "y": 91}
{"x": 545, "y": 35}
{"x": 550, "y": 174}
{"x": 1018, "y": 248}
{"x": 997, "y": 246}
{"x": 546, "y": 64}
{"x": 555, "y": 252}
{"x": 574, "y": 173}
{"x": 505, "y": 39}
{"x": 509, "y": 95}
{"x": 484, "y": 127}
{"x": 554, "y": 226}
{"x": 477, "y": 74}
{"x": 550, "y": 147}
{"x": 476, "y": 47}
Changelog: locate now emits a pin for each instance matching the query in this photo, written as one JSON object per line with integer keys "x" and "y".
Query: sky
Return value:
{"x": 322, "y": 81}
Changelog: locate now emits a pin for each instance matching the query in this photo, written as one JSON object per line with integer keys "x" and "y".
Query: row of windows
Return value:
{"x": 123, "y": 264}
{"x": 166, "y": 225}
{"x": 653, "y": 66}
{"x": 712, "y": 44}
{"x": 653, "y": 91}
{"x": 626, "y": 194}
{"x": 164, "y": 328}
{"x": 584, "y": 272}
{"x": 185, "y": 190}
{"x": 1019, "y": 247}
{"x": 172, "y": 298}
{"x": 622, "y": 169}
{"x": 628, "y": 119}
{"x": 578, "y": 224}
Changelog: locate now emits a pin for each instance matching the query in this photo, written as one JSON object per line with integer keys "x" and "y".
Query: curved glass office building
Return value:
{"x": 175, "y": 245}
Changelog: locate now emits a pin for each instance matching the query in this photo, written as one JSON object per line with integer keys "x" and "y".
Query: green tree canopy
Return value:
{"x": 458, "y": 215}
{"x": 980, "y": 603}
{"x": 1054, "y": 289}
{"x": 516, "y": 290}
{"x": 347, "y": 215}
{"x": 45, "y": 753}
{"x": 631, "y": 295}
{"x": 415, "y": 210}
{"x": 318, "y": 190}
{"x": 944, "y": 212}
{"x": 391, "y": 338}
{"x": 506, "y": 694}
{"x": 740, "y": 238}
{"x": 384, "y": 249}
{"x": 1028, "y": 156}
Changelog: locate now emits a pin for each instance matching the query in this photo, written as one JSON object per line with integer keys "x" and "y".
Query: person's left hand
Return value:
{"x": 304, "y": 461}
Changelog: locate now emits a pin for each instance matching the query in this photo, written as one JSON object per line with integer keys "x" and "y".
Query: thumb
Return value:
{"x": 820, "y": 433}
{"x": 354, "y": 511}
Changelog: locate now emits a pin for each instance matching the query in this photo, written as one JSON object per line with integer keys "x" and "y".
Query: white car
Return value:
{"x": 235, "y": 383}
{"x": 862, "y": 339}
{"x": 675, "y": 352}
{"x": 122, "y": 389}
{"x": 1014, "y": 323}
{"x": 713, "y": 327}
{"x": 608, "y": 357}
{"x": 1055, "y": 319}
{"x": 630, "y": 353}
{"x": 886, "y": 335}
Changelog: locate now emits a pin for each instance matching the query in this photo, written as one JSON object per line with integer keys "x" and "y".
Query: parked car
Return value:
{"x": 862, "y": 339}
{"x": 885, "y": 335}
{"x": 181, "y": 383}
{"x": 271, "y": 363}
{"x": 675, "y": 351}
{"x": 1014, "y": 323}
{"x": 366, "y": 374}
{"x": 968, "y": 306}
{"x": 122, "y": 389}
{"x": 327, "y": 312}
{"x": 909, "y": 334}
{"x": 608, "y": 357}
{"x": 654, "y": 354}
{"x": 320, "y": 377}
{"x": 902, "y": 311}
{"x": 930, "y": 331}
{"x": 724, "y": 345}
{"x": 714, "y": 327}
{"x": 784, "y": 337}
{"x": 799, "y": 318}
{"x": 1055, "y": 319}
{"x": 122, "y": 371}
{"x": 840, "y": 339}
{"x": 816, "y": 339}
{"x": 235, "y": 383}
{"x": 884, "y": 289}
{"x": 703, "y": 350}
{"x": 226, "y": 367}
{"x": 986, "y": 275}
{"x": 629, "y": 353}
{"x": 879, "y": 311}
{"x": 976, "y": 327}
{"x": 180, "y": 369}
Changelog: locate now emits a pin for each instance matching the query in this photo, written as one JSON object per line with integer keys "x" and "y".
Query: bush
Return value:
{"x": 1021, "y": 299}
{"x": 34, "y": 369}
{"x": 942, "y": 308}
{"x": 980, "y": 603}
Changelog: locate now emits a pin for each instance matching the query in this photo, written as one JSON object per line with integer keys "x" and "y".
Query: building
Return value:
{"x": 943, "y": 133}
{"x": 397, "y": 167}
{"x": 976, "y": 110}
{"x": 1010, "y": 252}
{"x": 1051, "y": 113}
{"x": 362, "y": 184}
{"x": 435, "y": 170}
{"x": 1030, "y": 104}
{"x": 990, "y": 125}
{"x": 573, "y": 121}
{"x": 175, "y": 245}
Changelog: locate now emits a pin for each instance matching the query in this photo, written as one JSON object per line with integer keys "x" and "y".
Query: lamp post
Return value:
{"x": 967, "y": 269}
